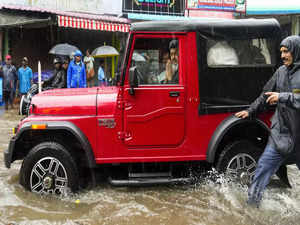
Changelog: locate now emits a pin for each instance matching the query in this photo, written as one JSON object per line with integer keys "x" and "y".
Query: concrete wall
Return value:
{"x": 89, "y": 6}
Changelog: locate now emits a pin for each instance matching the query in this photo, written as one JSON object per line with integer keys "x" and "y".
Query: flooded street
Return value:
{"x": 205, "y": 203}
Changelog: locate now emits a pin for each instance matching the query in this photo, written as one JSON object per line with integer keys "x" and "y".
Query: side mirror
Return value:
{"x": 133, "y": 79}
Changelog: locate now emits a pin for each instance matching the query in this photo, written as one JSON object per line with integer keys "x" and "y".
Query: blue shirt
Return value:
{"x": 25, "y": 77}
{"x": 101, "y": 75}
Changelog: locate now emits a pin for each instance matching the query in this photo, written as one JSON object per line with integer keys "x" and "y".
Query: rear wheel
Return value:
{"x": 239, "y": 160}
{"x": 49, "y": 169}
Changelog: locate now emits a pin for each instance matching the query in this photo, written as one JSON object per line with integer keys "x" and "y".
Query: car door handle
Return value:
{"x": 174, "y": 93}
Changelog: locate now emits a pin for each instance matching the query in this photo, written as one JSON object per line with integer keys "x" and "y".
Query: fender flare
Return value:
{"x": 225, "y": 126}
{"x": 64, "y": 125}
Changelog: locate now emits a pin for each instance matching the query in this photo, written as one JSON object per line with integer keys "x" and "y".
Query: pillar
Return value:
{"x": 5, "y": 43}
{"x": 295, "y": 25}
{"x": 113, "y": 57}
{"x": 1, "y": 45}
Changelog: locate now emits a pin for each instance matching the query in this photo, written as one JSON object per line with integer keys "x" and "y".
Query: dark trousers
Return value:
{"x": 8, "y": 98}
{"x": 267, "y": 166}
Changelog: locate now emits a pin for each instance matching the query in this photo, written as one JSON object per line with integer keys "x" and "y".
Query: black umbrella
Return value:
{"x": 63, "y": 49}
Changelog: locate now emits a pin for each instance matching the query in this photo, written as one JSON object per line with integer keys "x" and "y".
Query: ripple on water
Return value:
{"x": 207, "y": 202}
{"x": 212, "y": 200}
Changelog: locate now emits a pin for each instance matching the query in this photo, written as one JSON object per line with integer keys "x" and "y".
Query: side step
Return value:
{"x": 150, "y": 175}
{"x": 147, "y": 181}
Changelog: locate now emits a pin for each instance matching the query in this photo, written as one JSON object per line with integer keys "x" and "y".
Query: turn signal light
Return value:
{"x": 14, "y": 130}
{"x": 38, "y": 126}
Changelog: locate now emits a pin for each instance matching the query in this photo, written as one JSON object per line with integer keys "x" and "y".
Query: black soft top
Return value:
{"x": 215, "y": 28}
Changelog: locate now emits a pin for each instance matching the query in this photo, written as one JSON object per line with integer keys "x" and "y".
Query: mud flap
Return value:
{"x": 282, "y": 174}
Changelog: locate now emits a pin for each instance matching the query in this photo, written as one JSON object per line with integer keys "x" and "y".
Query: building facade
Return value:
{"x": 286, "y": 12}
{"x": 32, "y": 27}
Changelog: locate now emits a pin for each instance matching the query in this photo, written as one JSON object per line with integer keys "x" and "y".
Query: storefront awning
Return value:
{"x": 80, "y": 23}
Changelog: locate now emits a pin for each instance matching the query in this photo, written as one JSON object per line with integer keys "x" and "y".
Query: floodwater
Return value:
{"x": 204, "y": 203}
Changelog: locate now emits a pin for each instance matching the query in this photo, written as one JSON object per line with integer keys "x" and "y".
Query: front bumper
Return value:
{"x": 8, "y": 153}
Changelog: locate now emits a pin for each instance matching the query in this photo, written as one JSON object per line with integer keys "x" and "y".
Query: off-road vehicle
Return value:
{"x": 145, "y": 130}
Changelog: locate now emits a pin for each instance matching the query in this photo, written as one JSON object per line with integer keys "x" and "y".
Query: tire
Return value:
{"x": 239, "y": 160}
{"x": 49, "y": 169}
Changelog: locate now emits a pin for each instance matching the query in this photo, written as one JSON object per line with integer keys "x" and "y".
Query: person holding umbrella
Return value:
{"x": 76, "y": 75}
{"x": 101, "y": 74}
{"x": 65, "y": 67}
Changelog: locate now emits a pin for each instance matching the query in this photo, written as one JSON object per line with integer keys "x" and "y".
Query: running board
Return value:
{"x": 147, "y": 182}
{"x": 150, "y": 175}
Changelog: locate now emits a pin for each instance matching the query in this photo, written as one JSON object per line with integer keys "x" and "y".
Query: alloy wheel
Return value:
{"x": 242, "y": 167}
{"x": 49, "y": 176}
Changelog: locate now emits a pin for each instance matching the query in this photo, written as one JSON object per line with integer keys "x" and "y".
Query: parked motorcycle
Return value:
{"x": 26, "y": 99}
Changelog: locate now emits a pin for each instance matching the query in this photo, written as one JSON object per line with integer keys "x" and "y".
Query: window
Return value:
{"x": 156, "y": 60}
{"x": 250, "y": 52}
{"x": 236, "y": 70}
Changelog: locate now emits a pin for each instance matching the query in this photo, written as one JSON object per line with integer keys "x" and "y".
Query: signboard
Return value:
{"x": 209, "y": 14}
{"x": 218, "y": 5}
{"x": 159, "y": 7}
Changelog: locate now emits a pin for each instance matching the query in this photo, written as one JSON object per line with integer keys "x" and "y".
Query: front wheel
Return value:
{"x": 49, "y": 169}
{"x": 239, "y": 160}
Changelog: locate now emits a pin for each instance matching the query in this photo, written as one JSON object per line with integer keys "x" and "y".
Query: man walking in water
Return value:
{"x": 283, "y": 146}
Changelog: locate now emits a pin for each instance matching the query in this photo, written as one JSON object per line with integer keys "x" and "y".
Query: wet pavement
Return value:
{"x": 205, "y": 203}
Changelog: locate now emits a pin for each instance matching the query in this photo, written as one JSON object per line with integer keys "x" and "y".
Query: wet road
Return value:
{"x": 206, "y": 203}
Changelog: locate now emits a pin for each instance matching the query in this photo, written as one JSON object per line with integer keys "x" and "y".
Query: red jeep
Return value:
{"x": 151, "y": 128}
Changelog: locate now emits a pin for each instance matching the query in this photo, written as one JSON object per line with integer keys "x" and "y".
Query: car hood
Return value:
{"x": 75, "y": 101}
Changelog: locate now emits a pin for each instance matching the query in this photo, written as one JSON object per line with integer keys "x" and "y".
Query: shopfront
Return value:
{"x": 45, "y": 28}
{"x": 87, "y": 32}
